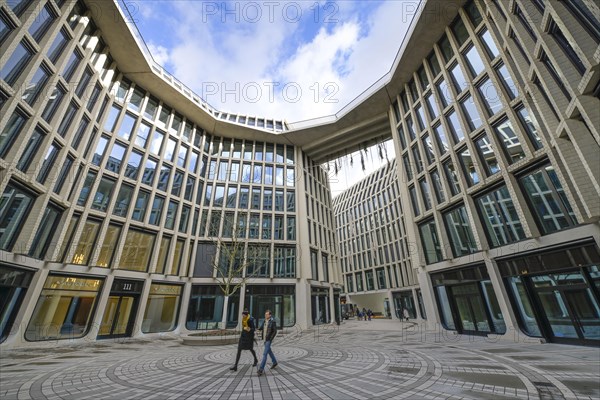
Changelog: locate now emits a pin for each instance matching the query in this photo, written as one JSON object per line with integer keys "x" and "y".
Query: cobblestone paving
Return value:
{"x": 358, "y": 360}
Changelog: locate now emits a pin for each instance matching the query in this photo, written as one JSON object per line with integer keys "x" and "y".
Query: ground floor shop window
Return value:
{"x": 13, "y": 286}
{"x": 205, "y": 310}
{"x": 555, "y": 293}
{"x": 467, "y": 301}
{"x": 280, "y": 299}
{"x": 64, "y": 309}
{"x": 162, "y": 308}
{"x": 404, "y": 301}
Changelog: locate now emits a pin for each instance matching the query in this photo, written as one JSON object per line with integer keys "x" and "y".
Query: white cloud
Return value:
{"x": 160, "y": 54}
{"x": 350, "y": 54}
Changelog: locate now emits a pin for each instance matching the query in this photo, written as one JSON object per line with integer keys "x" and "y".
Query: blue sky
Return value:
{"x": 293, "y": 60}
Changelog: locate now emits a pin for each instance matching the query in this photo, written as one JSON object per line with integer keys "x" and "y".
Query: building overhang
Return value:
{"x": 361, "y": 123}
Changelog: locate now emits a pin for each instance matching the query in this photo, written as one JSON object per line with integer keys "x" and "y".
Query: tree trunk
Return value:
{"x": 225, "y": 309}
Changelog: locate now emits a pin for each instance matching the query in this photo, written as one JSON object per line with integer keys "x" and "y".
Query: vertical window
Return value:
{"x": 87, "y": 188}
{"x": 84, "y": 81}
{"x": 417, "y": 158}
{"x": 109, "y": 125}
{"x": 33, "y": 144}
{"x": 103, "y": 194}
{"x": 291, "y": 228}
{"x": 171, "y": 214}
{"x": 68, "y": 118}
{"x": 149, "y": 172}
{"x": 156, "y": 210}
{"x": 54, "y": 100}
{"x": 11, "y": 70}
{"x": 433, "y": 63}
{"x": 455, "y": 126}
{"x": 126, "y": 128}
{"x": 446, "y": 96}
{"x": 489, "y": 44}
{"x": 86, "y": 245}
{"x": 141, "y": 137}
{"x": 432, "y": 106}
{"x": 163, "y": 178}
{"x": 137, "y": 97}
{"x": 486, "y": 153}
{"x": 151, "y": 107}
{"x": 446, "y": 48}
{"x": 407, "y": 167}
{"x": 71, "y": 66}
{"x": 48, "y": 162}
{"x": 414, "y": 200}
{"x": 117, "y": 155}
{"x": 530, "y": 128}
{"x": 452, "y": 178}
{"x": 460, "y": 83}
{"x": 431, "y": 244}
{"x": 15, "y": 205}
{"x": 438, "y": 186}
{"x": 64, "y": 172}
{"x": 291, "y": 201}
{"x": 500, "y": 217}
{"x": 109, "y": 244}
{"x": 507, "y": 80}
{"x": 474, "y": 61}
{"x": 139, "y": 209}
{"x": 231, "y": 196}
{"x": 177, "y": 183}
{"x": 57, "y": 46}
{"x": 157, "y": 140}
{"x": 46, "y": 230}
{"x": 219, "y": 196}
{"x": 491, "y": 96}
{"x": 469, "y": 108}
{"x": 36, "y": 85}
{"x": 266, "y": 226}
{"x": 548, "y": 200}
{"x": 123, "y": 200}
{"x": 133, "y": 165}
{"x": 468, "y": 164}
{"x": 441, "y": 138}
{"x": 137, "y": 251}
{"x": 428, "y": 147}
{"x": 460, "y": 234}
{"x": 425, "y": 193}
{"x": 182, "y": 156}
{"x": 510, "y": 141}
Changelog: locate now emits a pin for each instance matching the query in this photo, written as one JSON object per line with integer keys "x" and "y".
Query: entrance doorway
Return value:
{"x": 470, "y": 309}
{"x": 569, "y": 306}
{"x": 121, "y": 309}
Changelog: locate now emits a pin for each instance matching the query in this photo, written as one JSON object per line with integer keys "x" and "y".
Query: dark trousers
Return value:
{"x": 239, "y": 353}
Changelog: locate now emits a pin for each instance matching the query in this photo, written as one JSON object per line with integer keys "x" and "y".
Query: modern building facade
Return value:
{"x": 375, "y": 250}
{"x": 120, "y": 186}
{"x": 497, "y": 142}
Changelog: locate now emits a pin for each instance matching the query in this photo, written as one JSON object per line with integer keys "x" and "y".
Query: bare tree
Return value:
{"x": 235, "y": 262}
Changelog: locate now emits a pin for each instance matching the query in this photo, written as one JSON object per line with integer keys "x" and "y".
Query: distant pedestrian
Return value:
{"x": 405, "y": 314}
{"x": 269, "y": 330}
{"x": 246, "y": 339}
{"x": 364, "y": 313}
{"x": 369, "y": 314}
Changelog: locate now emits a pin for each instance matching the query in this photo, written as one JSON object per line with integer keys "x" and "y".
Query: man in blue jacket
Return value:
{"x": 269, "y": 330}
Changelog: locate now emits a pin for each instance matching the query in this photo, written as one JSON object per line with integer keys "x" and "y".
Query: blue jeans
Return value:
{"x": 264, "y": 357}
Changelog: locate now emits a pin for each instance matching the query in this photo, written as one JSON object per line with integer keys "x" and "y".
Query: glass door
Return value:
{"x": 118, "y": 317}
{"x": 470, "y": 308}
{"x": 569, "y": 306}
{"x": 585, "y": 313}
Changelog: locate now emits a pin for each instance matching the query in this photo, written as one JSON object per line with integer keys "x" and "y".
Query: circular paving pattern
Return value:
{"x": 346, "y": 364}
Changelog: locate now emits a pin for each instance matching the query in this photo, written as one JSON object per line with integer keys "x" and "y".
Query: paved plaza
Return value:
{"x": 380, "y": 359}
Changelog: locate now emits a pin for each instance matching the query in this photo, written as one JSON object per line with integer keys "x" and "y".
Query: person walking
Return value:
{"x": 269, "y": 330}
{"x": 246, "y": 339}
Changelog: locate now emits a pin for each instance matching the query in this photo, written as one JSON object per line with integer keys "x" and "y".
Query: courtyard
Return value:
{"x": 379, "y": 359}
